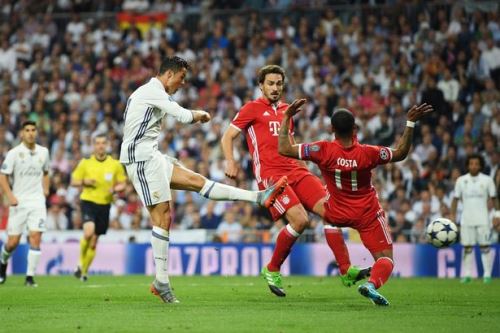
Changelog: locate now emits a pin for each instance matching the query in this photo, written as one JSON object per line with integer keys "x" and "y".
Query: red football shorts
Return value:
{"x": 374, "y": 232}
{"x": 305, "y": 189}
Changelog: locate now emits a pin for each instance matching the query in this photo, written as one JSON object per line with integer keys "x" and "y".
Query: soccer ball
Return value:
{"x": 442, "y": 232}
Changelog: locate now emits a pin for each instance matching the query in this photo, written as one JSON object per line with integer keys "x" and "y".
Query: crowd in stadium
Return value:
{"x": 73, "y": 73}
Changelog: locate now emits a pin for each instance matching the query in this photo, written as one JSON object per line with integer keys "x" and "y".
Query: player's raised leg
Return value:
{"x": 185, "y": 179}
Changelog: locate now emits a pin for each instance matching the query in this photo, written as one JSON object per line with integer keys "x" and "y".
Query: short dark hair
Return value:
{"x": 100, "y": 136}
{"x": 342, "y": 122}
{"x": 475, "y": 156}
{"x": 28, "y": 123}
{"x": 174, "y": 64}
{"x": 270, "y": 69}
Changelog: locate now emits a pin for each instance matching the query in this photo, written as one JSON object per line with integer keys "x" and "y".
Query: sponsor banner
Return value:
{"x": 62, "y": 259}
{"x": 246, "y": 259}
{"x": 217, "y": 259}
{"x": 317, "y": 259}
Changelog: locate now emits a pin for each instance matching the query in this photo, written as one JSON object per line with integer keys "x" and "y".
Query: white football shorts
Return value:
{"x": 22, "y": 216}
{"x": 472, "y": 235}
{"x": 151, "y": 179}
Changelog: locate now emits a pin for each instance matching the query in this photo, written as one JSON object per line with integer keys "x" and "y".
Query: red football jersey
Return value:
{"x": 260, "y": 121}
{"x": 347, "y": 173}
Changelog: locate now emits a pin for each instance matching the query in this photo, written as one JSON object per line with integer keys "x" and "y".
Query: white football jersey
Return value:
{"x": 474, "y": 193}
{"x": 143, "y": 116}
{"x": 26, "y": 169}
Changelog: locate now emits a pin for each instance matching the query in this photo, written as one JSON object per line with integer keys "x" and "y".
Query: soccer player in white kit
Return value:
{"x": 154, "y": 174}
{"x": 27, "y": 166}
{"x": 475, "y": 189}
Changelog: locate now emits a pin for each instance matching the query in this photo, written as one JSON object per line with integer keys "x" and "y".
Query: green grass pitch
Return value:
{"x": 244, "y": 304}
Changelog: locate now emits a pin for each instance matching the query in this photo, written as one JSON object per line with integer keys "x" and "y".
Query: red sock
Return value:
{"x": 336, "y": 242}
{"x": 381, "y": 271}
{"x": 284, "y": 243}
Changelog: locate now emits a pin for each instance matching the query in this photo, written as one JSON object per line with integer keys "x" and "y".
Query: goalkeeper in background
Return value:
{"x": 99, "y": 176}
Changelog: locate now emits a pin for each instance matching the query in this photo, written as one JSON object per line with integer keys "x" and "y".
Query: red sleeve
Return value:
{"x": 312, "y": 151}
{"x": 379, "y": 154}
{"x": 244, "y": 118}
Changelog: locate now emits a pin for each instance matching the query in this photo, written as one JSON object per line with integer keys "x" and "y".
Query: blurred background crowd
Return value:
{"x": 71, "y": 65}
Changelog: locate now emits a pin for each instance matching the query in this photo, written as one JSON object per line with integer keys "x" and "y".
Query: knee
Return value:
{"x": 93, "y": 242}
{"x": 485, "y": 249}
{"x": 300, "y": 223}
{"x": 386, "y": 253}
{"x": 35, "y": 242}
{"x": 161, "y": 215}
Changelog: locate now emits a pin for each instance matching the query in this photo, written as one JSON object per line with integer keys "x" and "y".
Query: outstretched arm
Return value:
{"x": 285, "y": 146}
{"x": 404, "y": 144}
{"x": 232, "y": 167}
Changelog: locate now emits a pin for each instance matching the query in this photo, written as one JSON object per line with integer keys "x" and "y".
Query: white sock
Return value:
{"x": 4, "y": 255}
{"x": 33, "y": 258}
{"x": 486, "y": 259}
{"x": 159, "y": 243}
{"x": 292, "y": 231}
{"x": 467, "y": 263}
{"x": 218, "y": 191}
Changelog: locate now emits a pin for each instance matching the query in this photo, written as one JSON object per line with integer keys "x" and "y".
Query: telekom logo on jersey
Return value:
{"x": 274, "y": 127}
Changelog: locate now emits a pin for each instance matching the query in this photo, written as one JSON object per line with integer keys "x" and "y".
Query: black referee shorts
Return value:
{"x": 99, "y": 214}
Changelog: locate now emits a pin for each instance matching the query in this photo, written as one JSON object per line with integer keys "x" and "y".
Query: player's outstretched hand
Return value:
{"x": 418, "y": 111}
{"x": 295, "y": 107}
{"x": 201, "y": 116}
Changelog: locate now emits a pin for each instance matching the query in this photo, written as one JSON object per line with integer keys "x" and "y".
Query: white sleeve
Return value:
{"x": 167, "y": 105}
{"x": 8, "y": 163}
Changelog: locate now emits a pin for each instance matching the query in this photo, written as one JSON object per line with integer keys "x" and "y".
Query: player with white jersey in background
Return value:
{"x": 474, "y": 189}
{"x": 26, "y": 167}
{"x": 154, "y": 174}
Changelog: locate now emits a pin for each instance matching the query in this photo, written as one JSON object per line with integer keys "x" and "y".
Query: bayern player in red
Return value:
{"x": 346, "y": 166}
{"x": 260, "y": 120}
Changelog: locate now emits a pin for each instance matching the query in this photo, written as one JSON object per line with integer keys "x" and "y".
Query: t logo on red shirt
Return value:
{"x": 274, "y": 127}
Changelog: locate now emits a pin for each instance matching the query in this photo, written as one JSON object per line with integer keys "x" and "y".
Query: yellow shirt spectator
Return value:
{"x": 105, "y": 173}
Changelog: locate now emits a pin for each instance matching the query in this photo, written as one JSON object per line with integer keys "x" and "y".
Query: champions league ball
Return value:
{"x": 442, "y": 232}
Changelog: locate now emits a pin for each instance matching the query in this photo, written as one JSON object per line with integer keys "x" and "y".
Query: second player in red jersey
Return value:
{"x": 260, "y": 122}
{"x": 346, "y": 166}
